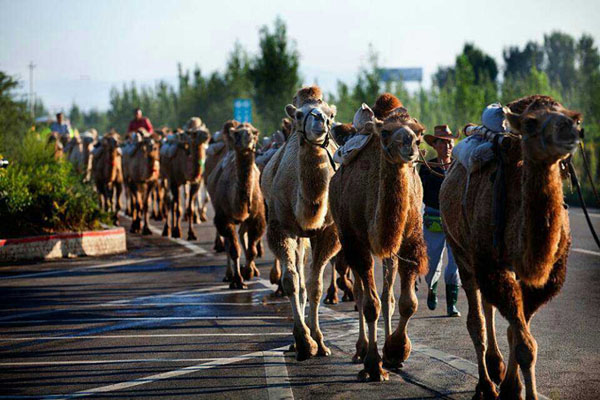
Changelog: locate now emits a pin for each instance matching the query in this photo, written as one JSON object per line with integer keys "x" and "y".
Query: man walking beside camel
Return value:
{"x": 442, "y": 142}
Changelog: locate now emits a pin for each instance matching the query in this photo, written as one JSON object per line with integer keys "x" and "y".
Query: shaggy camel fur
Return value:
{"x": 184, "y": 166}
{"x": 531, "y": 268}
{"x": 376, "y": 204}
{"x": 295, "y": 183}
{"x": 107, "y": 173}
{"x": 237, "y": 199}
{"x": 140, "y": 170}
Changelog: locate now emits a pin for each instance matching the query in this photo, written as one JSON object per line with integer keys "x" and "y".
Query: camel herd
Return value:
{"x": 511, "y": 257}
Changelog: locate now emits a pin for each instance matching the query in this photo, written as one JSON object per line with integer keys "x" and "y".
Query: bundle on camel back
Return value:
{"x": 376, "y": 201}
{"x": 182, "y": 162}
{"x": 520, "y": 264}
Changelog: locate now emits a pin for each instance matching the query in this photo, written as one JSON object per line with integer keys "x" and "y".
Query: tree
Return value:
{"x": 14, "y": 118}
{"x": 275, "y": 74}
{"x": 76, "y": 116}
{"x": 560, "y": 52}
{"x": 519, "y": 62}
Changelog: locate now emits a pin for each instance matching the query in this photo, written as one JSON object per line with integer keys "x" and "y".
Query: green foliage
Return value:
{"x": 40, "y": 194}
{"x": 14, "y": 118}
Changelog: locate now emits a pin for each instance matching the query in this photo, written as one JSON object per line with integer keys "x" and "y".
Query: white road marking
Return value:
{"x": 592, "y": 215}
{"x": 99, "y": 266}
{"x": 585, "y": 251}
{"x": 114, "y": 319}
{"x": 86, "y": 362}
{"x": 276, "y": 374}
{"x": 161, "y": 376}
{"x": 213, "y": 335}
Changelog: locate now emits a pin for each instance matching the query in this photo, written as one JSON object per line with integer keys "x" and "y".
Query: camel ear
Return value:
{"x": 372, "y": 126}
{"x": 290, "y": 110}
{"x": 577, "y": 117}
{"x": 333, "y": 111}
{"x": 514, "y": 120}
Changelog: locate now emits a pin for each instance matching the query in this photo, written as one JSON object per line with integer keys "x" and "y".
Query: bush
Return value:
{"x": 40, "y": 194}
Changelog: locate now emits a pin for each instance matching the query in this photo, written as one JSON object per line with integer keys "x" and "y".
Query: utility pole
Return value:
{"x": 31, "y": 99}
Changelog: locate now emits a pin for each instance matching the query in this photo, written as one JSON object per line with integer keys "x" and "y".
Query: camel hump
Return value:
{"x": 385, "y": 104}
{"x": 307, "y": 94}
{"x": 533, "y": 103}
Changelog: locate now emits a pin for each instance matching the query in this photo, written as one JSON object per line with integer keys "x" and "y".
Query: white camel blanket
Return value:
{"x": 215, "y": 148}
{"x": 476, "y": 150}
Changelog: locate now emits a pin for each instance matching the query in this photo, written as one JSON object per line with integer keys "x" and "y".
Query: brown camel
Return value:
{"x": 140, "y": 171}
{"x": 107, "y": 173}
{"x": 78, "y": 151}
{"x": 376, "y": 203}
{"x": 295, "y": 183}
{"x": 529, "y": 266}
{"x": 219, "y": 147}
{"x": 182, "y": 162}
{"x": 237, "y": 199}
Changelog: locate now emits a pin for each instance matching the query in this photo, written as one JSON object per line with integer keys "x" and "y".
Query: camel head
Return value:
{"x": 548, "y": 134}
{"x": 244, "y": 138}
{"x": 399, "y": 135}
{"x": 313, "y": 119}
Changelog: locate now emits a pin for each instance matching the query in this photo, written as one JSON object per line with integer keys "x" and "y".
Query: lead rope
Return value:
{"x": 424, "y": 161}
{"x": 589, "y": 173}
{"x": 575, "y": 182}
{"x": 324, "y": 145}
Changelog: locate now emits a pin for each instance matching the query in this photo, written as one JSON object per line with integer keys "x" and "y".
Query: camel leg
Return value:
{"x": 175, "y": 212}
{"x": 204, "y": 203}
{"x": 331, "y": 296}
{"x": 493, "y": 356}
{"x": 190, "y": 211}
{"x": 285, "y": 249}
{"x": 168, "y": 206}
{"x": 135, "y": 208}
{"x": 324, "y": 246}
{"x": 362, "y": 343}
{"x": 147, "y": 199}
{"x": 255, "y": 229}
{"x": 275, "y": 278}
{"x": 301, "y": 259}
{"x": 390, "y": 269}
{"x": 500, "y": 289}
{"x": 344, "y": 281}
{"x": 227, "y": 229}
{"x": 117, "y": 201}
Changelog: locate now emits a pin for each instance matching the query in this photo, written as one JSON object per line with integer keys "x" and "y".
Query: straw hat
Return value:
{"x": 440, "y": 132}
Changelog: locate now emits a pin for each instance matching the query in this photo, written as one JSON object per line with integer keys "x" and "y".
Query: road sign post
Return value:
{"x": 242, "y": 110}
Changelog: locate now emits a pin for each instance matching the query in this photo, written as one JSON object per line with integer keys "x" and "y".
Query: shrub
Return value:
{"x": 40, "y": 194}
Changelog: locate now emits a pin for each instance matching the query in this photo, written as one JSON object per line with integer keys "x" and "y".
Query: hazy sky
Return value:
{"x": 82, "y": 48}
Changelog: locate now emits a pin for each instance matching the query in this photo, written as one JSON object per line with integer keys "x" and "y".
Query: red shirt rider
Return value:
{"x": 140, "y": 122}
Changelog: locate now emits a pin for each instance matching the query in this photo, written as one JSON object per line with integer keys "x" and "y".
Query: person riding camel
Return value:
{"x": 442, "y": 142}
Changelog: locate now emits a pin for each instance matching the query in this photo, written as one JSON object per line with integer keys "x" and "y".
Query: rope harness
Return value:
{"x": 325, "y": 144}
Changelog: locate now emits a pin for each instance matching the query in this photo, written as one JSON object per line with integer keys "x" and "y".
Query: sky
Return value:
{"x": 83, "y": 48}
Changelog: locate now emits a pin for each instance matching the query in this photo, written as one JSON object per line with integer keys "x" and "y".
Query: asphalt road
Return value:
{"x": 158, "y": 322}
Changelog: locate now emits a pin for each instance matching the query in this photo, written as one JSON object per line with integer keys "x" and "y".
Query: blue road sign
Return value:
{"x": 242, "y": 110}
{"x": 405, "y": 74}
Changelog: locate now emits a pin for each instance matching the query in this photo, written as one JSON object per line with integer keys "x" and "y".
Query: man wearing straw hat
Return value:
{"x": 432, "y": 177}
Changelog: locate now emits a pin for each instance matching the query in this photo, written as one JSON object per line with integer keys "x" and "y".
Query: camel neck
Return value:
{"x": 542, "y": 208}
{"x": 392, "y": 206}
{"x": 244, "y": 163}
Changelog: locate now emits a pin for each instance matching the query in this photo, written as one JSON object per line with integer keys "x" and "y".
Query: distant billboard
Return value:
{"x": 401, "y": 74}
{"x": 242, "y": 110}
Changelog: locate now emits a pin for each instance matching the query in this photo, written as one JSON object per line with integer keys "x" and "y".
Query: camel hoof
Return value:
{"x": 348, "y": 296}
{"x": 203, "y": 217}
{"x": 219, "y": 247}
{"x": 331, "y": 297}
{"x": 176, "y": 233}
{"x": 166, "y": 231}
{"x": 292, "y": 348}
{"x": 146, "y": 231}
{"x": 373, "y": 376}
{"x": 306, "y": 348}
{"x": 191, "y": 236}
{"x": 323, "y": 351}
{"x": 489, "y": 393}
{"x": 396, "y": 353}
{"x": 238, "y": 285}
{"x": 279, "y": 291}
{"x": 247, "y": 273}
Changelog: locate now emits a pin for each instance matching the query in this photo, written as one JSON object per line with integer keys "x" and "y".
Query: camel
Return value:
{"x": 182, "y": 162}
{"x": 141, "y": 170}
{"x": 295, "y": 183}
{"x": 78, "y": 151}
{"x": 528, "y": 266}
{"x": 214, "y": 154}
{"x": 237, "y": 199}
{"x": 376, "y": 204}
{"x": 107, "y": 174}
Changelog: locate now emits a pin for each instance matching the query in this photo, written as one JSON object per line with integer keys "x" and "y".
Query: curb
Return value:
{"x": 62, "y": 245}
